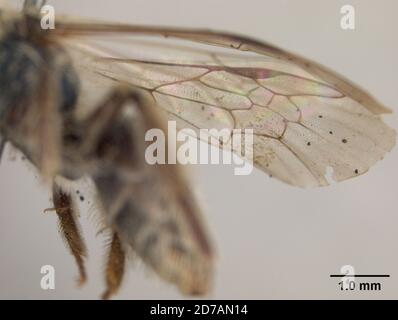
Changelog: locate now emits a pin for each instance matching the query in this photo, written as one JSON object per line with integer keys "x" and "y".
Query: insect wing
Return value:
{"x": 306, "y": 119}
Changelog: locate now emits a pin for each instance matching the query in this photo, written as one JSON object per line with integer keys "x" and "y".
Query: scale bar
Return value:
{"x": 360, "y": 275}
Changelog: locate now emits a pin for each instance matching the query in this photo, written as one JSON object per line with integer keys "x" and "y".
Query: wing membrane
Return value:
{"x": 305, "y": 117}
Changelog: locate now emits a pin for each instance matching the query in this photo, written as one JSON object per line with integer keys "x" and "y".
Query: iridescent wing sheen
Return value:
{"x": 306, "y": 118}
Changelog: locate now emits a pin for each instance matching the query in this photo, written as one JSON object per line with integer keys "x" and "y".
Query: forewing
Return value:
{"x": 307, "y": 120}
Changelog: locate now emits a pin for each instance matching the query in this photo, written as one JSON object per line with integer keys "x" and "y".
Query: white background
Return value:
{"x": 273, "y": 240}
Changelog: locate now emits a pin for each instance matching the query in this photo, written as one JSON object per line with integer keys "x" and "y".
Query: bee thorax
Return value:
{"x": 22, "y": 68}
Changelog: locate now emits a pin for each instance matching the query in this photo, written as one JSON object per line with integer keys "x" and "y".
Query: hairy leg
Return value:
{"x": 69, "y": 228}
{"x": 114, "y": 268}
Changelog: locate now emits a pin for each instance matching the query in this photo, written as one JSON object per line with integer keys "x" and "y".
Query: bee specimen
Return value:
{"x": 76, "y": 108}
